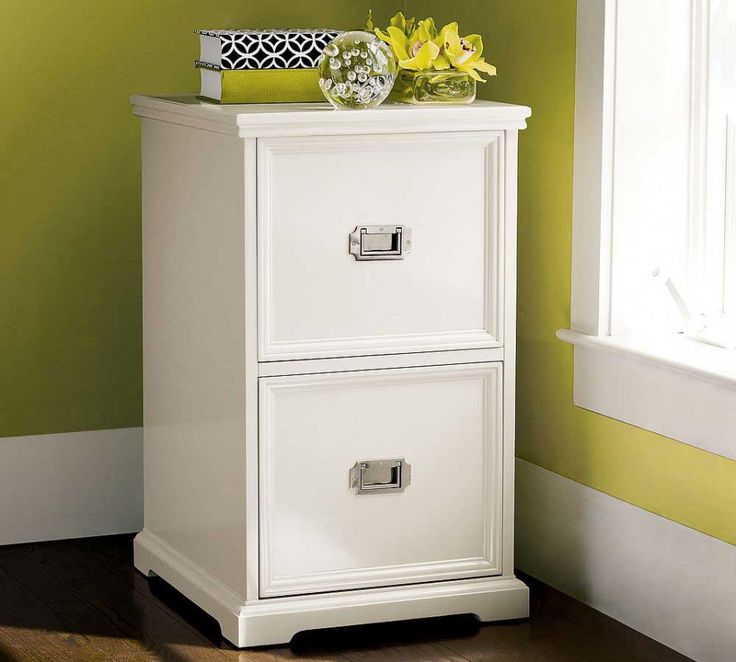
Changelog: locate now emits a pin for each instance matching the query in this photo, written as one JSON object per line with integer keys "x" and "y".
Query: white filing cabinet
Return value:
{"x": 329, "y": 304}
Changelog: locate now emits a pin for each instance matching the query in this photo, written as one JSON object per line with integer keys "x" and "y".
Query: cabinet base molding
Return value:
{"x": 276, "y": 620}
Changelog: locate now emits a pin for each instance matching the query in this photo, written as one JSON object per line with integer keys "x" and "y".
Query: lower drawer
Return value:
{"x": 380, "y": 477}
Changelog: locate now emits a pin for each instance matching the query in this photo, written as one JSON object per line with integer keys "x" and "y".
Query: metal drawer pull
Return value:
{"x": 373, "y": 476}
{"x": 380, "y": 242}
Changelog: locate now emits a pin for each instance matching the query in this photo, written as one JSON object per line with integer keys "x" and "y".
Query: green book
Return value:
{"x": 258, "y": 85}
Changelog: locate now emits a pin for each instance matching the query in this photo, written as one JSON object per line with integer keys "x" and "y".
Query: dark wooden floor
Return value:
{"x": 81, "y": 600}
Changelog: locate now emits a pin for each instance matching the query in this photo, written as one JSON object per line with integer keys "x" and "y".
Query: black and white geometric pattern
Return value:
{"x": 271, "y": 49}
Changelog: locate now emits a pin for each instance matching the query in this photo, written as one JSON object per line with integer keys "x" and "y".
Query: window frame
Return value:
{"x": 656, "y": 379}
{"x": 729, "y": 293}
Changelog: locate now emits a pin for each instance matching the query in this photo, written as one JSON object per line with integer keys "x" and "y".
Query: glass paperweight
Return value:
{"x": 430, "y": 86}
{"x": 357, "y": 70}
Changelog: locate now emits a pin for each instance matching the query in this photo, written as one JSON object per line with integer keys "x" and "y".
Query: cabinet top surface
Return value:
{"x": 256, "y": 119}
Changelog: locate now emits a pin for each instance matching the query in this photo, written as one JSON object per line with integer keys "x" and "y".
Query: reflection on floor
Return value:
{"x": 82, "y": 600}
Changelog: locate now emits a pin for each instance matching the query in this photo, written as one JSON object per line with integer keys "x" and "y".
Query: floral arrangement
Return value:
{"x": 418, "y": 45}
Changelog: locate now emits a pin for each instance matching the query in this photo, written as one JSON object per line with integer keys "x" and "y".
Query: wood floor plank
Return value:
{"x": 30, "y": 630}
{"x": 165, "y": 621}
{"x": 203, "y": 629}
{"x": 426, "y": 652}
{"x": 112, "y": 617}
{"x": 83, "y": 601}
{"x": 118, "y": 559}
{"x": 561, "y": 630}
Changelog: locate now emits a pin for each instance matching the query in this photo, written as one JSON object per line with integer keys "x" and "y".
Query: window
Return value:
{"x": 713, "y": 258}
{"x": 655, "y": 193}
{"x": 730, "y": 230}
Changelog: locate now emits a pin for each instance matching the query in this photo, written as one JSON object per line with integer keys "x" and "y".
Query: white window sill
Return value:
{"x": 669, "y": 384}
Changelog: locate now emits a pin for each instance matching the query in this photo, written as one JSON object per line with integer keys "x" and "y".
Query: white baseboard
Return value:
{"x": 71, "y": 485}
{"x": 668, "y": 581}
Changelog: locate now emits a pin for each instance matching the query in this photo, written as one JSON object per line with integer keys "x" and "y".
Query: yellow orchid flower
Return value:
{"x": 464, "y": 54}
{"x": 418, "y": 40}
{"x": 415, "y": 51}
{"x": 461, "y": 51}
{"x": 425, "y": 31}
{"x": 423, "y": 56}
{"x": 482, "y": 65}
{"x": 427, "y": 48}
{"x": 398, "y": 21}
{"x": 442, "y": 62}
{"x": 397, "y": 40}
{"x": 406, "y": 25}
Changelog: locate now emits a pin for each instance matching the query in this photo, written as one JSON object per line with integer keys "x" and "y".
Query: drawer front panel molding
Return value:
{"x": 441, "y": 521}
{"x": 444, "y": 290}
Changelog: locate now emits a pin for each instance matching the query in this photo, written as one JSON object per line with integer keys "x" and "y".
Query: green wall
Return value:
{"x": 70, "y": 225}
{"x": 532, "y": 42}
{"x": 70, "y": 305}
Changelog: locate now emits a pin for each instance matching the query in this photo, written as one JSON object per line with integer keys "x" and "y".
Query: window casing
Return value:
{"x": 655, "y": 192}
{"x": 654, "y": 162}
{"x": 712, "y": 259}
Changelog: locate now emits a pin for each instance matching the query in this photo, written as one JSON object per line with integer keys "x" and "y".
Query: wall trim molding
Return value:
{"x": 71, "y": 485}
{"x": 672, "y": 583}
{"x": 79, "y": 484}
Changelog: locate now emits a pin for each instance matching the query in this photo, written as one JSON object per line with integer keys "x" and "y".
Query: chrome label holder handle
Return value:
{"x": 380, "y": 242}
{"x": 380, "y": 476}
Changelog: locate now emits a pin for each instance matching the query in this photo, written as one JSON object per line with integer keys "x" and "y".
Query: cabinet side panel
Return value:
{"x": 193, "y": 345}
{"x": 509, "y": 240}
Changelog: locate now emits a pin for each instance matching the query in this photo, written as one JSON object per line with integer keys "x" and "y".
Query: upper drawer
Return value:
{"x": 444, "y": 290}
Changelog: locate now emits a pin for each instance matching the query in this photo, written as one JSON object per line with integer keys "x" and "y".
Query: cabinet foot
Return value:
{"x": 277, "y": 620}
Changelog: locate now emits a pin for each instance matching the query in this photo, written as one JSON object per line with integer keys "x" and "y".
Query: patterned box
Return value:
{"x": 264, "y": 49}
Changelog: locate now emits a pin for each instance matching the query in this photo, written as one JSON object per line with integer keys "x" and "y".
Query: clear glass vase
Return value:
{"x": 429, "y": 86}
{"x": 356, "y": 70}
